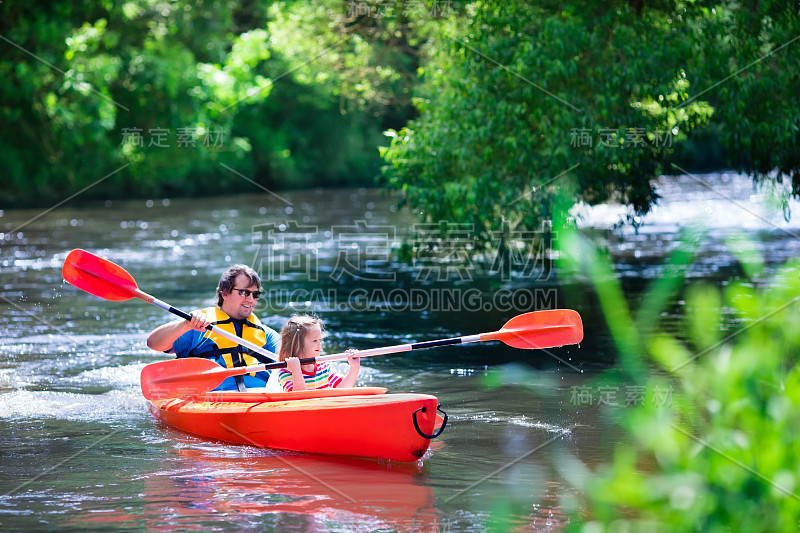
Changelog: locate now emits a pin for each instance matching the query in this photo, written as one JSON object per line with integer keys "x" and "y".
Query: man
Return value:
{"x": 237, "y": 293}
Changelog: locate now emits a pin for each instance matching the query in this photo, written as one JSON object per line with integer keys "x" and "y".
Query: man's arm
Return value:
{"x": 163, "y": 337}
{"x": 273, "y": 343}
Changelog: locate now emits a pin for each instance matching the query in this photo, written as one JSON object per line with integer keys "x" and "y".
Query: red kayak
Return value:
{"x": 361, "y": 421}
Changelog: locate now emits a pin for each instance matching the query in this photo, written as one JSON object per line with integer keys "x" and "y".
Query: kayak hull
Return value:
{"x": 362, "y": 422}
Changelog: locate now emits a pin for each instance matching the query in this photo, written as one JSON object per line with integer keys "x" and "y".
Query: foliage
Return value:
{"x": 519, "y": 95}
{"x": 143, "y": 98}
{"x": 293, "y": 93}
{"x": 722, "y": 454}
{"x": 353, "y": 65}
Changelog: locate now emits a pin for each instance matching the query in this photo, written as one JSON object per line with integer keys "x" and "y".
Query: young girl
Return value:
{"x": 301, "y": 337}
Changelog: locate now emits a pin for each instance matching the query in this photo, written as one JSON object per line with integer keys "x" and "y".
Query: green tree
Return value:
{"x": 144, "y": 98}
{"x": 85, "y": 75}
{"x": 520, "y": 95}
{"x": 352, "y": 67}
{"x": 37, "y": 138}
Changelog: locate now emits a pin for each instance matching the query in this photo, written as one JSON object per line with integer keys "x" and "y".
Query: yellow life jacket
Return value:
{"x": 226, "y": 352}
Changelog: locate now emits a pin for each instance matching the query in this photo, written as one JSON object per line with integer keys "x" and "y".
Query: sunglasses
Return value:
{"x": 245, "y": 293}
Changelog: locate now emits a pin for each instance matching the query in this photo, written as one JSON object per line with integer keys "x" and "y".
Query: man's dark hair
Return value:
{"x": 228, "y": 280}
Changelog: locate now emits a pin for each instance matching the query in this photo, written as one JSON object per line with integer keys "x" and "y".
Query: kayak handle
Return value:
{"x": 422, "y": 433}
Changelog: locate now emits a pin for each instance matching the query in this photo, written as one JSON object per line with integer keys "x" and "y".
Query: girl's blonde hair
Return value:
{"x": 293, "y": 333}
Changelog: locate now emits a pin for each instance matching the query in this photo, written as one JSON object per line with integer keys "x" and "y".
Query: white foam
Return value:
{"x": 27, "y": 404}
{"x": 550, "y": 428}
{"x": 118, "y": 376}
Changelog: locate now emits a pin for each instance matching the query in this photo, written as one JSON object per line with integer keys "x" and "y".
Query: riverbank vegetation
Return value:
{"x": 714, "y": 449}
{"x": 488, "y": 106}
{"x": 146, "y": 98}
{"x": 703, "y": 390}
{"x": 516, "y": 99}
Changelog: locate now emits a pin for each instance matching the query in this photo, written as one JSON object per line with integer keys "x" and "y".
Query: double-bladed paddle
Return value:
{"x": 534, "y": 330}
{"x": 110, "y": 281}
{"x": 179, "y": 377}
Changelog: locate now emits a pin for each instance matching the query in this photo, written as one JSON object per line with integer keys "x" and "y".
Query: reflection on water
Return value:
{"x": 79, "y": 448}
{"x": 725, "y": 206}
{"x": 200, "y": 487}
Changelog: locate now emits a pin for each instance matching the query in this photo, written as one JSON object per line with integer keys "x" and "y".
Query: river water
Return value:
{"x": 81, "y": 451}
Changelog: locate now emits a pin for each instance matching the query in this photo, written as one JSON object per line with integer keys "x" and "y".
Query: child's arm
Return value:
{"x": 293, "y": 366}
{"x": 352, "y": 375}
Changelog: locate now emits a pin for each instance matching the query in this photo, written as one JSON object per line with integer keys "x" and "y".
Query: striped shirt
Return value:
{"x": 322, "y": 377}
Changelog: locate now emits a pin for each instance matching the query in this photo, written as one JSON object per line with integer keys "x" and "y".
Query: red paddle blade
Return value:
{"x": 180, "y": 377}
{"x": 98, "y": 276}
{"x": 540, "y": 329}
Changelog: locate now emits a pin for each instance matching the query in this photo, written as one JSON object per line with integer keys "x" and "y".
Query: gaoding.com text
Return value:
{"x": 413, "y": 299}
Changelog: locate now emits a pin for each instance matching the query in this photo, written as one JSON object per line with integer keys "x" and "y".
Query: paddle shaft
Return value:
{"x": 137, "y": 293}
{"x": 397, "y": 348}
